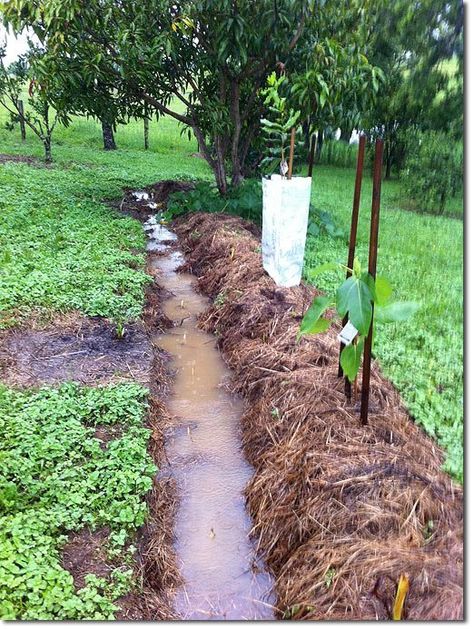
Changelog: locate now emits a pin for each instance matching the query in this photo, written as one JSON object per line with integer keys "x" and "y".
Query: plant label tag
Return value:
{"x": 348, "y": 333}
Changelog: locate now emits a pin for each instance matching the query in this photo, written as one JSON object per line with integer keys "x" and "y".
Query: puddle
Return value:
{"x": 222, "y": 579}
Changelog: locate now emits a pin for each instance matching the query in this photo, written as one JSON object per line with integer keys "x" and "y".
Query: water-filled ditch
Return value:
{"x": 221, "y": 576}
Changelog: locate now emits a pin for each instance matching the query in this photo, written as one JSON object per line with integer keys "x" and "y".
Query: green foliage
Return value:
{"x": 244, "y": 201}
{"x": 312, "y": 321}
{"x": 61, "y": 250}
{"x": 413, "y": 42}
{"x": 337, "y": 81}
{"x": 350, "y": 359}
{"x": 55, "y": 479}
{"x": 433, "y": 170}
{"x": 358, "y": 297}
{"x": 322, "y": 222}
{"x": 423, "y": 356}
{"x": 277, "y": 130}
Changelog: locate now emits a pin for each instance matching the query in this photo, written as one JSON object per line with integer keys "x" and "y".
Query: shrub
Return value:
{"x": 244, "y": 200}
{"x": 433, "y": 170}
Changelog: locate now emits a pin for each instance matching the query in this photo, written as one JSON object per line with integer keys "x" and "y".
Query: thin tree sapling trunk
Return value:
{"x": 146, "y": 127}
{"x": 146, "y": 133}
{"x": 48, "y": 158}
{"x": 21, "y": 112}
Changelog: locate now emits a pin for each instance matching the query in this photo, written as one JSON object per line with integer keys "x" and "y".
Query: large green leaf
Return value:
{"x": 312, "y": 322}
{"x": 396, "y": 311}
{"x": 350, "y": 359}
{"x": 323, "y": 268}
{"x": 383, "y": 290}
{"x": 354, "y": 297}
{"x": 369, "y": 282}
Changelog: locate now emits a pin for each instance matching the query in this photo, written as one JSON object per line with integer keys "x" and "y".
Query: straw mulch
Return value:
{"x": 340, "y": 511}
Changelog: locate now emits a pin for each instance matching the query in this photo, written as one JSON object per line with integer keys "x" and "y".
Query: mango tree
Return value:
{"x": 203, "y": 62}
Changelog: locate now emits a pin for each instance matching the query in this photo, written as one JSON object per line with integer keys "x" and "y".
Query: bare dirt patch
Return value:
{"x": 340, "y": 510}
{"x": 82, "y": 350}
{"x": 106, "y": 433}
{"x": 22, "y": 159}
{"x": 85, "y": 553}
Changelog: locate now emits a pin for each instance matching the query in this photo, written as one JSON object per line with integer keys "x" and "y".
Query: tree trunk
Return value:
{"x": 48, "y": 158}
{"x": 346, "y": 133}
{"x": 108, "y": 136}
{"x": 146, "y": 127}
{"x": 146, "y": 133}
{"x": 219, "y": 168}
{"x": 319, "y": 146}
{"x": 21, "y": 111}
{"x": 306, "y": 133}
{"x": 237, "y": 176}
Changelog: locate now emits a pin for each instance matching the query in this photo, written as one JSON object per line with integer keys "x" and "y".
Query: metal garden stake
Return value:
{"x": 374, "y": 237}
{"x": 353, "y": 238}
{"x": 292, "y": 152}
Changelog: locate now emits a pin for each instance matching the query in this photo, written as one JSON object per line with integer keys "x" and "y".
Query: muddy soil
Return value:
{"x": 85, "y": 553}
{"x": 140, "y": 204}
{"x": 85, "y": 350}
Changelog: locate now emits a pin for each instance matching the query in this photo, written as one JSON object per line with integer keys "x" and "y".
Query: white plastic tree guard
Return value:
{"x": 284, "y": 227}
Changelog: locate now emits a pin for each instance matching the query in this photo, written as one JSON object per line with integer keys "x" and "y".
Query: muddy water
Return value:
{"x": 221, "y": 577}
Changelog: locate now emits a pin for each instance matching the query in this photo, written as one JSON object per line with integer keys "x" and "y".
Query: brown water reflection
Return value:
{"x": 217, "y": 560}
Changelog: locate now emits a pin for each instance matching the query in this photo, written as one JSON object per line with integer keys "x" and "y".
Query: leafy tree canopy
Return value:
{"x": 419, "y": 47}
{"x": 203, "y": 62}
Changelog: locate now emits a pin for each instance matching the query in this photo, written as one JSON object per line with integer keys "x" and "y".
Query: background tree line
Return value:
{"x": 393, "y": 68}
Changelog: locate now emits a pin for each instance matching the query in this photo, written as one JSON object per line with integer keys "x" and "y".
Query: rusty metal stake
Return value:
{"x": 373, "y": 245}
{"x": 312, "y": 149}
{"x": 353, "y": 238}
{"x": 292, "y": 152}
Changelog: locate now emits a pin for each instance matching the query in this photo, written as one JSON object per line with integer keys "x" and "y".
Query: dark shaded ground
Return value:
{"x": 87, "y": 351}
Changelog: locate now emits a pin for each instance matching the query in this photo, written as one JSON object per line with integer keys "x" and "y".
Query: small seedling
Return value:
{"x": 120, "y": 329}
{"x": 329, "y": 577}
{"x": 357, "y": 298}
{"x": 277, "y": 131}
{"x": 220, "y": 299}
{"x": 428, "y": 530}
